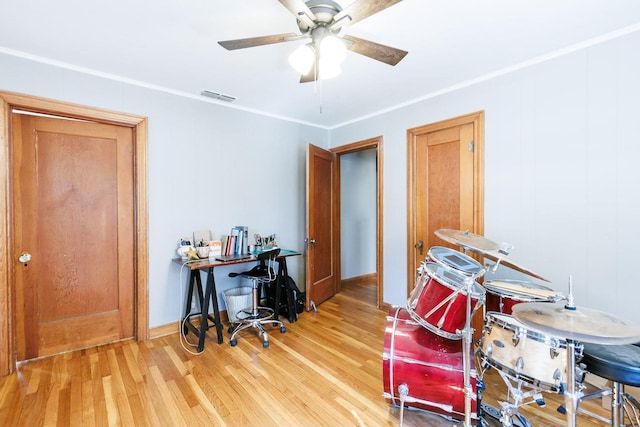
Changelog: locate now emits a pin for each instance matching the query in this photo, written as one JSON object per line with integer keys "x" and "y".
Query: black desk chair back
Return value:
{"x": 257, "y": 316}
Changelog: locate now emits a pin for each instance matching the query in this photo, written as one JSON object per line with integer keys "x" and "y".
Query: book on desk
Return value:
{"x": 236, "y": 257}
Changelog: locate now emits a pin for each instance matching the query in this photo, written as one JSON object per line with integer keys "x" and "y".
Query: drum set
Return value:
{"x": 531, "y": 335}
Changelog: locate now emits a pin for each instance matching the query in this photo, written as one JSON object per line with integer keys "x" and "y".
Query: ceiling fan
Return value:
{"x": 321, "y": 21}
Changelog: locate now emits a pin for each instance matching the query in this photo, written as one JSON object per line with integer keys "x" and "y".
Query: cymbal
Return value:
{"x": 503, "y": 259}
{"x": 467, "y": 240}
{"x": 482, "y": 246}
{"x": 582, "y": 324}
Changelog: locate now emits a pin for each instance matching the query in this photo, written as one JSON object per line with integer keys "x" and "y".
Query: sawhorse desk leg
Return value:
{"x": 210, "y": 294}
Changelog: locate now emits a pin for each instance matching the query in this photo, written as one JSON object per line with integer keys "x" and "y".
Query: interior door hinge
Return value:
{"x": 471, "y": 146}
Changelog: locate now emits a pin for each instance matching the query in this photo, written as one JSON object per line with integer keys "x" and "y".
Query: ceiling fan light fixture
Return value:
{"x": 333, "y": 49}
{"x": 328, "y": 70}
{"x": 302, "y": 59}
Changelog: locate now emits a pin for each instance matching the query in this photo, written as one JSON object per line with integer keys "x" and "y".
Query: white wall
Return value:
{"x": 210, "y": 167}
{"x": 561, "y": 174}
{"x": 358, "y": 204}
{"x": 561, "y": 171}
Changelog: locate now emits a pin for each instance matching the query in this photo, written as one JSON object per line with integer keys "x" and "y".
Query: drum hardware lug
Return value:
{"x": 562, "y": 388}
{"x": 403, "y": 390}
{"x": 516, "y": 338}
{"x": 553, "y": 351}
{"x": 578, "y": 351}
{"x": 487, "y": 328}
{"x": 489, "y": 350}
{"x": 557, "y": 375}
{"x": 581, "y": 372}
{"x": 519, "y": 363}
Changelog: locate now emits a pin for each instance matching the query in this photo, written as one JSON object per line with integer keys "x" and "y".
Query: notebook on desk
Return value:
{"x": 226, "y": 258}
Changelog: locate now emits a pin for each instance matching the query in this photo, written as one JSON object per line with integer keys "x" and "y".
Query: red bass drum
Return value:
{"x": 424, "y": 369}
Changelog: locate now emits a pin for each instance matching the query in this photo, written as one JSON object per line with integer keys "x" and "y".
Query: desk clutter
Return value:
{"x": 234, "y": 245}
{"x": 273, "y": 292}
{"x": 538, "y": 340}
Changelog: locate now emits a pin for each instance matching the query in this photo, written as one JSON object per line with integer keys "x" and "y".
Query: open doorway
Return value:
{"x": 359, "y": 202}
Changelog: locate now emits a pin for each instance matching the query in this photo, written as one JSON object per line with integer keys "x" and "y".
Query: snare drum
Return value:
{"x": 502, "y": 295}
{"x": 425, "y": 367}
{"x": 456, "y": 260}
{"x": 524, "y": 354}
{"x": 439, "y": 300}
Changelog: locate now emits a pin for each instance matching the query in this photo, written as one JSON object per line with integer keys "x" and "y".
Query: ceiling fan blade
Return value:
{"x": 301, "y": 11}
{"x": 379, "y": 52}
{"x": 258, "y": 41}
{"x": 359, "y": 10}
{"x": 311, "y": 76}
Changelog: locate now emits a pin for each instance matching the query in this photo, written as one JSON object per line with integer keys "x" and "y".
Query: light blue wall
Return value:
{"x": 562, "y": 181}
{"x": 210, "y": 167}
{"x": 561, "y": 174}
{"x": 358, "y": 204}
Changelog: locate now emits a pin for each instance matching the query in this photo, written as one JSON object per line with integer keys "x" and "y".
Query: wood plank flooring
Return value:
{"x": 326, "y": 370}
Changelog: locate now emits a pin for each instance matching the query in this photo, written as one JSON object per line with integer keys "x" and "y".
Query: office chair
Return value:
{"x": 257, "y": 316}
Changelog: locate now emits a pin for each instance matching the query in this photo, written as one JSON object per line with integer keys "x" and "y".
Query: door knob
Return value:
{"x": 25, "y": 257}
{"x": 419, "y": 246}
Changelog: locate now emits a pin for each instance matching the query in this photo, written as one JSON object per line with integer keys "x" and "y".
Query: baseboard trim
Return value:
{"x": 174, "y": 327}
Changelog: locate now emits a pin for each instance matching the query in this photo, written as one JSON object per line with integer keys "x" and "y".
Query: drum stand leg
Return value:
{"x": 571, "y": 396}
{"x": 467, "y": 337}
{"x": 510, "y": 409}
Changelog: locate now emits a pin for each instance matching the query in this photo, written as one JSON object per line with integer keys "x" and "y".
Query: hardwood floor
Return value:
{"x": 326, "y": 370}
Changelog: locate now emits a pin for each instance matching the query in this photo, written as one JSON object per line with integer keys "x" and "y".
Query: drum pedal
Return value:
{"x": 539, "y": 400}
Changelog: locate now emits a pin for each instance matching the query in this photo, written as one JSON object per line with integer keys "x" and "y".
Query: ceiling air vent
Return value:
{"x": 216, "y": 95}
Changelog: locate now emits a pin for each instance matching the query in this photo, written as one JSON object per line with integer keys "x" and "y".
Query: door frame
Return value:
{"x": 377, "y": 143}
{"x": 477, "y": 119}
{"x": 139, "y": 125}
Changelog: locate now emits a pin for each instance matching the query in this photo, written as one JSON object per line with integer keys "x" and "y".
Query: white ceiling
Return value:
{"x": 172, "y": 45}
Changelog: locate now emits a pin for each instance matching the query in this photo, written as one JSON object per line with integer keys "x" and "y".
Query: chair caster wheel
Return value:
{"x": 233, "y": 342}
{"x": 265, "y": 344}
{"x": 283, "y": 329}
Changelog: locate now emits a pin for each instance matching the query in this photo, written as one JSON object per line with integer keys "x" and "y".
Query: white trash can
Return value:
{"x": 237, "y": 299}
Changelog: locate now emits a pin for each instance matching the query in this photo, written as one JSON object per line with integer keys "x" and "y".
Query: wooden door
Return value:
{"x": 73, "y": 204}
{"x": 320, "y": 254}
{"x": 445, "y": 164}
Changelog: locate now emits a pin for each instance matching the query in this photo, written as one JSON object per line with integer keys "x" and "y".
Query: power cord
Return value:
{"x": 183, "y": 338}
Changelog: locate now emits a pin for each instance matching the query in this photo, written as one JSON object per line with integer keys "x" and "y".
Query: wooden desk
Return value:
{"x": 194, "y": 282}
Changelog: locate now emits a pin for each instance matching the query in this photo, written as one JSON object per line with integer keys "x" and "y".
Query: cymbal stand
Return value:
{"x": 467, "y": 340}
{"x": 572, "y": 394}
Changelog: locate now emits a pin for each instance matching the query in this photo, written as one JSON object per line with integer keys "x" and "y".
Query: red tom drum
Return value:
{"x": 424, "y": 367}
{"x": 456, "y": 260}
{"x": 502, "y": 295}
{"x": 439, "y": 300}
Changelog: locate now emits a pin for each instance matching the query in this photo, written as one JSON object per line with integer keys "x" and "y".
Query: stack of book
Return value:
{"x": 237, "y": 241}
